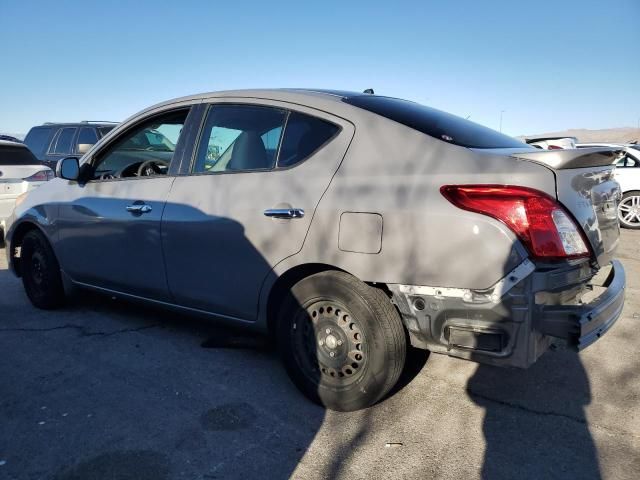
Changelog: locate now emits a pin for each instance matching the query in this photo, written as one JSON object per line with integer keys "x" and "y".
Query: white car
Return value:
{"x": 20, "y": 171}
{"x": 628, "y": 176}
{"x": 552, "y": 143}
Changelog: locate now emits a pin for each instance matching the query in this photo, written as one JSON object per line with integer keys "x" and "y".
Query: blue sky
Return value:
{"x": 549, "y": 65}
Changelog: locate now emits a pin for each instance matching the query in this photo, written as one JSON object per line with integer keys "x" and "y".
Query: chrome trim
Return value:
{"x": 284, "y": 212}
{"x": 139, "y": 208}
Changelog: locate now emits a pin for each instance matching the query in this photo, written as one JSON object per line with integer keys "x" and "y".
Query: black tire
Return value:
{"x": 41, "y": 272}
{"x": 342, "y": 342}
{"x": 630, "y": 206}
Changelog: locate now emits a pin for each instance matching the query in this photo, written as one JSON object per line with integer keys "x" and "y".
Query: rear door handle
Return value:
{"x": 139, "y": 209}
{"x": 284, "y": 212}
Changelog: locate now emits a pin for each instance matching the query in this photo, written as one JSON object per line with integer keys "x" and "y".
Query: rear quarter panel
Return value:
{"x": 396, "y": 172}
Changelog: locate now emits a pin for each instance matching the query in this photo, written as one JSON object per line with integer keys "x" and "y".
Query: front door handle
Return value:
{"x": 139, "y": 209}
{"x": 284, "y": 212}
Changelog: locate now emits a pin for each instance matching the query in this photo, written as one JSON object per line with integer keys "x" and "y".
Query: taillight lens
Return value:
{"x": 540, "y": 222}
{"x": 41, "y": 176}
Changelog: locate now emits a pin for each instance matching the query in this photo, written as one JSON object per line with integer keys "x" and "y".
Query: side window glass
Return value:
{"x": 145, "y": 150}
{"x": 627, "y": 161}
{"x": 87, "y": 138}
{"x": 63, "y": 143}
{"x": 239, "y": 137}
{"x": 302, "y": 137}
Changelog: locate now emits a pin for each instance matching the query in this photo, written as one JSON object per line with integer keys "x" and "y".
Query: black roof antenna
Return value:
{"x": 369, "y": 91}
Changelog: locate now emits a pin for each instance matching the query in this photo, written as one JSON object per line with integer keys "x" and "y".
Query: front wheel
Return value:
{"x": 341, "y": 341}
{"x": 40, "y": 272}
{"x": 629, "y": 210}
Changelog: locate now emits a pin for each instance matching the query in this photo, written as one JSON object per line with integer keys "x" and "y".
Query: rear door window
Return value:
{"x": 239, "y": 138}
{"x": 435, "y": 123}
{"x": 303, "y": 135}
{"x": 38, "y": 140}
{"x": 87, "y": 136}
{"x": 64, "y": 141}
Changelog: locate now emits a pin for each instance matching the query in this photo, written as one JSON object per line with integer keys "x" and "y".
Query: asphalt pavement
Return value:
{"x": 104, "y": 389}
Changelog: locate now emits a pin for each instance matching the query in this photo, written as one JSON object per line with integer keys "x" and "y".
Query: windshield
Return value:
{"x": 435, "y": 123}
{"x": 38, "y": 140}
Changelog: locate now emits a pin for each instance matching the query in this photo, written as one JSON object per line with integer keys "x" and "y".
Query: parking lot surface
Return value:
{"x": 103, "y": 389}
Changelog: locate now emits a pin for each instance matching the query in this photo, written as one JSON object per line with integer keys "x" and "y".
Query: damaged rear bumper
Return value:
{"x": 516, "y": 320}
{"x": 581, "y": 325}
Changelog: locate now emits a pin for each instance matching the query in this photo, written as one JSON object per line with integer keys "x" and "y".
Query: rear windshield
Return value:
{"x": 435, "y": 123}
{"x": 38, "y": 140}
{"x": 10, "y": 155}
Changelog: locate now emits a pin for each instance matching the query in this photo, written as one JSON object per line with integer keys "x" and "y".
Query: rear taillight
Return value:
{"x": 541, "y": 223}
{"x": 554, "y": 147}
{"x": 41, "y": 176}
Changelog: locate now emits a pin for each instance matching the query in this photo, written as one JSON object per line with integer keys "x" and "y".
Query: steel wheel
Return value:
{"x": 629, "y": 210}
{"x": 329, "y": 342}
{"x": 341, "y": 341}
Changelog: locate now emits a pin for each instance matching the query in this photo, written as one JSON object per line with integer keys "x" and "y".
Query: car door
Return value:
{"x": 109, "y": 227}
{"x": 246, "y": 203}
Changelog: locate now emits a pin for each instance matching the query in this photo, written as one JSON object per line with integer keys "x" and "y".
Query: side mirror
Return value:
{"x": 84, "y": 147}
{"x": 68, "y": 168}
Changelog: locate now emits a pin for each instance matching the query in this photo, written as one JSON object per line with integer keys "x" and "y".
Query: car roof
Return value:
{"x": 77, "y": 124}
{"x": 8, "y": 143}
{"x": 310, "y": 95}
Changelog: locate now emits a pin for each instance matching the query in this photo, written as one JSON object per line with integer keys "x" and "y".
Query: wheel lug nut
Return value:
{"x": 339, "y": 342}
{"x": 328, "y": 330}
{"x": 333, "y": 354}
{"x": 321, "y": 342}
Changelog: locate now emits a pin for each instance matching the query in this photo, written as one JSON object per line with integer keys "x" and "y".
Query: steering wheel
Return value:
{"x": 151, "y": 167}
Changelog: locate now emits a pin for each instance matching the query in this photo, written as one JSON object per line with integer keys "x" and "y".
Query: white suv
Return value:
{"x": 20, "y": 171}
{"x": 628, "y": 176}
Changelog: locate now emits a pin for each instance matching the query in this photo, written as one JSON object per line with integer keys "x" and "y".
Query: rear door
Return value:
{"x": 247, "y": 201}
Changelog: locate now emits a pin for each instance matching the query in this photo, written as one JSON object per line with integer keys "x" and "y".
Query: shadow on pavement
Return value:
{"x": 553, "y": 439}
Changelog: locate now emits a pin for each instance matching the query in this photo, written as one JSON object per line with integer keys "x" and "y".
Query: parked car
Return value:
{"x": 344, "y": 225}
{"x": 552, "y": 143}
{"x": 10, "y": 138}
{"x": 627, "y": 174}
{"x": 52, "y": 141}
{"x": 20, "y": 172}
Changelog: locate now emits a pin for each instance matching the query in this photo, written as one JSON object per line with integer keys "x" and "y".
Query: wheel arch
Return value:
{"x": 290, "y": 277}
{"x": 16, "y": 242}
{"x": 284, "y": 283}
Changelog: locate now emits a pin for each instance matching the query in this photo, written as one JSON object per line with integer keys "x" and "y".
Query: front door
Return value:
{"x": 109, "y": 227}
{"x": 258, "y": 174}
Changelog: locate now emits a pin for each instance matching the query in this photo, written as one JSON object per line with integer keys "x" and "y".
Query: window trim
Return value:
{"x": 209, "y": 105}
{"x": 54, "y": 142}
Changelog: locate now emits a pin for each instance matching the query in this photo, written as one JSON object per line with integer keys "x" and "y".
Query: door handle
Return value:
{"x": 139, "y": 209}
{"x": 284, "y": 212}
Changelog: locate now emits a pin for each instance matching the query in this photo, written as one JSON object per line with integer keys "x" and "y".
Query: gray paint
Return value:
{"x": 360, "y": 232}
{"x": 210, "y": 248}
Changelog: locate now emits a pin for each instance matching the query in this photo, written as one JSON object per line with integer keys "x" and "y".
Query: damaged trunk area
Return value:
{"x": 532, "y": 308}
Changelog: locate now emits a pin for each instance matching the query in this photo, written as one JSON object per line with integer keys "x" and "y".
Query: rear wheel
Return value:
{"x": 629, "y": 210}
{"x": 41, "y": 272}
{"x": 342, "y": 341}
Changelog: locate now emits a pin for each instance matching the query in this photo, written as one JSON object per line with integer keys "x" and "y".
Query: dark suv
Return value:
{"x": 51, "y": 142}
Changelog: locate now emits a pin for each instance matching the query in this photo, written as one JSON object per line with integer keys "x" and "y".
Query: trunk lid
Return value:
{"x": 586, "y": 187}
